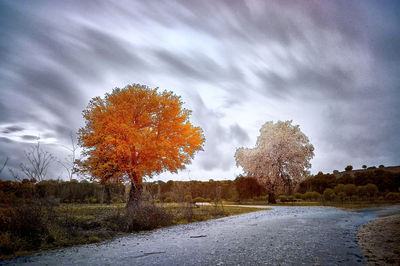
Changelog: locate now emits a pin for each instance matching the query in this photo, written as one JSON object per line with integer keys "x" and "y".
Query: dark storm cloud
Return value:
{"x": 29, "y": 137}
{"x": 12, "y": 129}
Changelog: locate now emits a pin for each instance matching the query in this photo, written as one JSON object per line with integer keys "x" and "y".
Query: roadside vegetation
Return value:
{"x": 50, "y": 214}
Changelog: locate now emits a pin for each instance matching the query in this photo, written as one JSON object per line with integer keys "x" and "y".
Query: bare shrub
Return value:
{"x": 187, "y": 212}
{"x": 38, "y": 162}
{"x": 147, "y": 216}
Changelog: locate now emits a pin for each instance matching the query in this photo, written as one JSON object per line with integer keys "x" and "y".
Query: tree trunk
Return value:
{"x": 271, "y": 198}
{"x": 108, "y": 193}
{"x": 135, "y": 193}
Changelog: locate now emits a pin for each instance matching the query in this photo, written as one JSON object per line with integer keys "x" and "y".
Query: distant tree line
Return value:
{"x": 242, "y": 188}
{"x": 361, "y": 186}
{"x": 385, "y": 181}
{"x": 63, "y": 191}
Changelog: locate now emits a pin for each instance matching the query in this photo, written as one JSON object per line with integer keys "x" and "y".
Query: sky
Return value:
{"x": 333, "y": 67}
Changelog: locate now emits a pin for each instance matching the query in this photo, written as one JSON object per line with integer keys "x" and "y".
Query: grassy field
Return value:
{"x": 34, "y": 229}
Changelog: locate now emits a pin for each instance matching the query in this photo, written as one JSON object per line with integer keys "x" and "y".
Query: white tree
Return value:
{"x": 280, "y": 158}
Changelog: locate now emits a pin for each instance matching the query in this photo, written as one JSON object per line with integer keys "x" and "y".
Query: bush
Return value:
{"x": 316, "y": 195}
{"x": 328, "y": 194}
{"x": 339, "y": 188}
{"x": 372, "y": 190}
{"x": 354, "y": 198}
{"x": 341, "y": 196}
{"x": 290, "y": 198}
{"x": 187, "y": 212}
{"x": 348, "y": 168}
{"x": 308, "y": 196}
{"x": 168, "y": 200}
{"x": 199, "y": 199}
{"x": 187, "y": 198}
{"x": 350, "y": 189}
{"x": 8, "y": 245}
{"x": 116, "y": 200}
{"x": 394, "y": 196}
{"x": 147, "y": 217}
{"x": 282, "y": 198}
{"x": 312, "y": 196}
{"x": 261, "y": 198}
{"x": 25, "y": 226}
{"x": 93, "y": 200}
{"x": 299, "y": 196}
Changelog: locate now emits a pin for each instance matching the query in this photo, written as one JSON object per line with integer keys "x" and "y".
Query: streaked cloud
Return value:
{"x": 331, "y": 66}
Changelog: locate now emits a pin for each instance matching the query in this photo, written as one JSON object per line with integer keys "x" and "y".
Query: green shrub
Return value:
{"x": 350, "y": 189}
{"x": 290, "y": 198}
{"x": 354, "y": 197}
{"x": 308, "y": 196}
{"x": 92, "y": 200}
{"x": 116, "y": 200}
{"x": 187, "y": 198}
{"x": 282, "y": 198}
{"x": 339, "y": 188}
{"x": 66, "y": 201}
{"x": 93, "y": 239}
{"x": 168, "y": 200}
{"x": 261, "y": 198}
{"x": 394, "y": 196}
{"x": 299, "y": 196}
{"x": 316, "y": 195}
{"x": 199, "y": 199}
{"x": 328, "y": 194}
{"x": 341, "y": 196}
{"x": 312, "y": 196}
{"x": 372, "y": 190}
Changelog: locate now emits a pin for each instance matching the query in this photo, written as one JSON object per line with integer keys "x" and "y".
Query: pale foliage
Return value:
{"x": 280, "y": 158}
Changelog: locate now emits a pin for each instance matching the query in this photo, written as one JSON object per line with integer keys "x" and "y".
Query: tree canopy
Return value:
{"x": 280, "y": 158}
{"x": 137, "y": 132}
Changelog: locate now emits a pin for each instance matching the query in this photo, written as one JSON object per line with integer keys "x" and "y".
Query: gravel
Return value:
{"x": 281, "y": 236}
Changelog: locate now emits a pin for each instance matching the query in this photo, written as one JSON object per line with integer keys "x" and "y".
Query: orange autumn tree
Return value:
{"x": 137, "y": 132}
